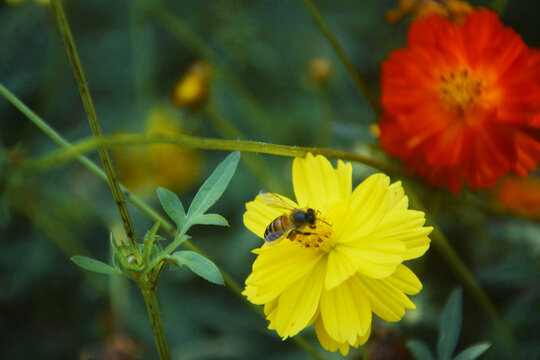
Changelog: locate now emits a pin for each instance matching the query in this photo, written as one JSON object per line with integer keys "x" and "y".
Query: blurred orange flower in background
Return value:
{"x": 462, "y": 102}
{"x": 519, "y": 195}
{"x": 455, "y": 10}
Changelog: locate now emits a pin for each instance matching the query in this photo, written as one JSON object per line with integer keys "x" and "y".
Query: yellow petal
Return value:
{"x": 406, "y": 226}
{"x": 332, "y": 345}
{"x": 327, "y": 342}
{"x": 345, "y": 311}
{"x": 377, "y": 257}
{"x": 366, "y": 208}
{"x": 362, "y": 339}
{"x": 397, "y": 198}
{"x": 386, "y": 296}
{"x": 259, "y": 215}
{"x": 315, "y": 182}
{"x": 277, "y": 267}
{"x": 342, "y": 263}
{"x": 270, "y": 311}
{"x": 405, "y": 280}
{"x": 344, "y": 176}
{"x": 299, "y": 302}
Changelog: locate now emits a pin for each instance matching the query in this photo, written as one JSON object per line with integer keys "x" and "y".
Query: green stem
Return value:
{"x": 499, "y": 5}
{"x": 59, "y": 156}
{"x": 464, "y": 274}
{"x": 358, "y": 80}
{"x": 134, "y": 199}
{"x": 258, "y": 167}
{"x": 112, "y": 180}
{"x": 154, "y": 315}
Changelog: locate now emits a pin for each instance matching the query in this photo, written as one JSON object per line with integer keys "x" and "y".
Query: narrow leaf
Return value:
{"x": 172, "y": 205}
{"x": 215, "y": 185}
{"x": 199, "y": 265}
{"x": 182, "y": 238}
{"x": 210, "y": 219}
{"x": 450, "y": 326}
{"x": 419, "y": 350}
{"x": 148, "y": 241}
{"x": 95, "y": 265}
{"x": 473, "y": 352}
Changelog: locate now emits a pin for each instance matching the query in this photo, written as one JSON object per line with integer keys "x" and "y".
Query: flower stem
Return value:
{"x": 258, "y": 167}
{"x": 499, "y": 5}
{"x": 94, "y": 124}
{"x": 154, "y": 315}
{"x": 59, "y": 156}
{"x": 440, "y": 242}
{"x": 358, "y": 80}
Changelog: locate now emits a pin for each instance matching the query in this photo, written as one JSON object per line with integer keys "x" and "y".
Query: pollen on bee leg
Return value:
{"x": 318, "y": 237}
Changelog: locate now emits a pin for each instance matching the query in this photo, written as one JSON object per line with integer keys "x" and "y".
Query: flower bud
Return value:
{"x": 319, "y": 71}
{"x": 192, "y": 90}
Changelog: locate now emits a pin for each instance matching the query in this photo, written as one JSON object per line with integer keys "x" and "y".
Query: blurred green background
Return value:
{"x": 133, "y": 53}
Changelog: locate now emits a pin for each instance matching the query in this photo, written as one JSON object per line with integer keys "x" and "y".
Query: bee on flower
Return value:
{"x": 334, "y": 256}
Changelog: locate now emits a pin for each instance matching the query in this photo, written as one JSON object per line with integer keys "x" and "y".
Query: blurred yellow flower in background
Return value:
{"x": 319, "y": 70}
{"x": 143, "y": 169}
{"x": 335, "y": 272}
{"x": 192, "y": 90}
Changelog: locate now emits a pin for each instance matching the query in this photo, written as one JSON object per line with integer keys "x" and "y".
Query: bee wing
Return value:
{"x": 275, "y": 200}
{"x": 276, "y": 236}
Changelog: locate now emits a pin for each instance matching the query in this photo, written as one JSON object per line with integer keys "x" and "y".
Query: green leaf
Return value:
{"x": 419, "y": 350}
{"x": 210, "y": 219}
{"x": 473, "y": 352}
{"x": 214, "y": 186}
{"x": 148, "y": 242}
{"x": 183, "y": 238}
{"x": 95, "y": 265}
{"x": 450, "y": 326}
{"x": 199, "y": 265}
{"x": 172, "y": 206}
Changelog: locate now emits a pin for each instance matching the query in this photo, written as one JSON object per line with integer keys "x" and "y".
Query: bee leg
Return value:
{"x": 302, "y": 233}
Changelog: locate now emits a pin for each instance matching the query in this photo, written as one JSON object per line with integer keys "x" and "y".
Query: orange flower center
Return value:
{"x": 318, "y": 237}
{"x": 460, "y": 90}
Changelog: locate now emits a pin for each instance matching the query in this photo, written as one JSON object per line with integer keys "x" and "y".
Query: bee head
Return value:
{"x": 310, "y": 216}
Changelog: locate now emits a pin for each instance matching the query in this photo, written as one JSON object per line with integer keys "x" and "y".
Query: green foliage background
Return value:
{"x": 133, "y": 55}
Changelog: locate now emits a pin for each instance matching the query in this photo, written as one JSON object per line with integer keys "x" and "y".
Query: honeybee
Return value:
{"x": 285, "y": 225}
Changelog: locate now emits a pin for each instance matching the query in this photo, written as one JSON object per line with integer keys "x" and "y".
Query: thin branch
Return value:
{"x": 94, "y": 124}
{"x": 358, "y": 80}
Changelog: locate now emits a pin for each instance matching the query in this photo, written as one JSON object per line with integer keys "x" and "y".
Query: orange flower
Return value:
{"x": 455, "y": 10}
{"x": 519, "y": 195}
{"x": 462, "y": 102}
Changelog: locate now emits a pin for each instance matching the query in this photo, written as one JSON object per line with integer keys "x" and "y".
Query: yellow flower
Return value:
{"x": 348, "y": 264}
{"x": 142, "y": 169}
{"x": 193, "y": 89}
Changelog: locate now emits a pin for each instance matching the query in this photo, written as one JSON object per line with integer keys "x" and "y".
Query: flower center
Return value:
{"x": 317, "y": 236}
{"x": 460, "y": 90}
